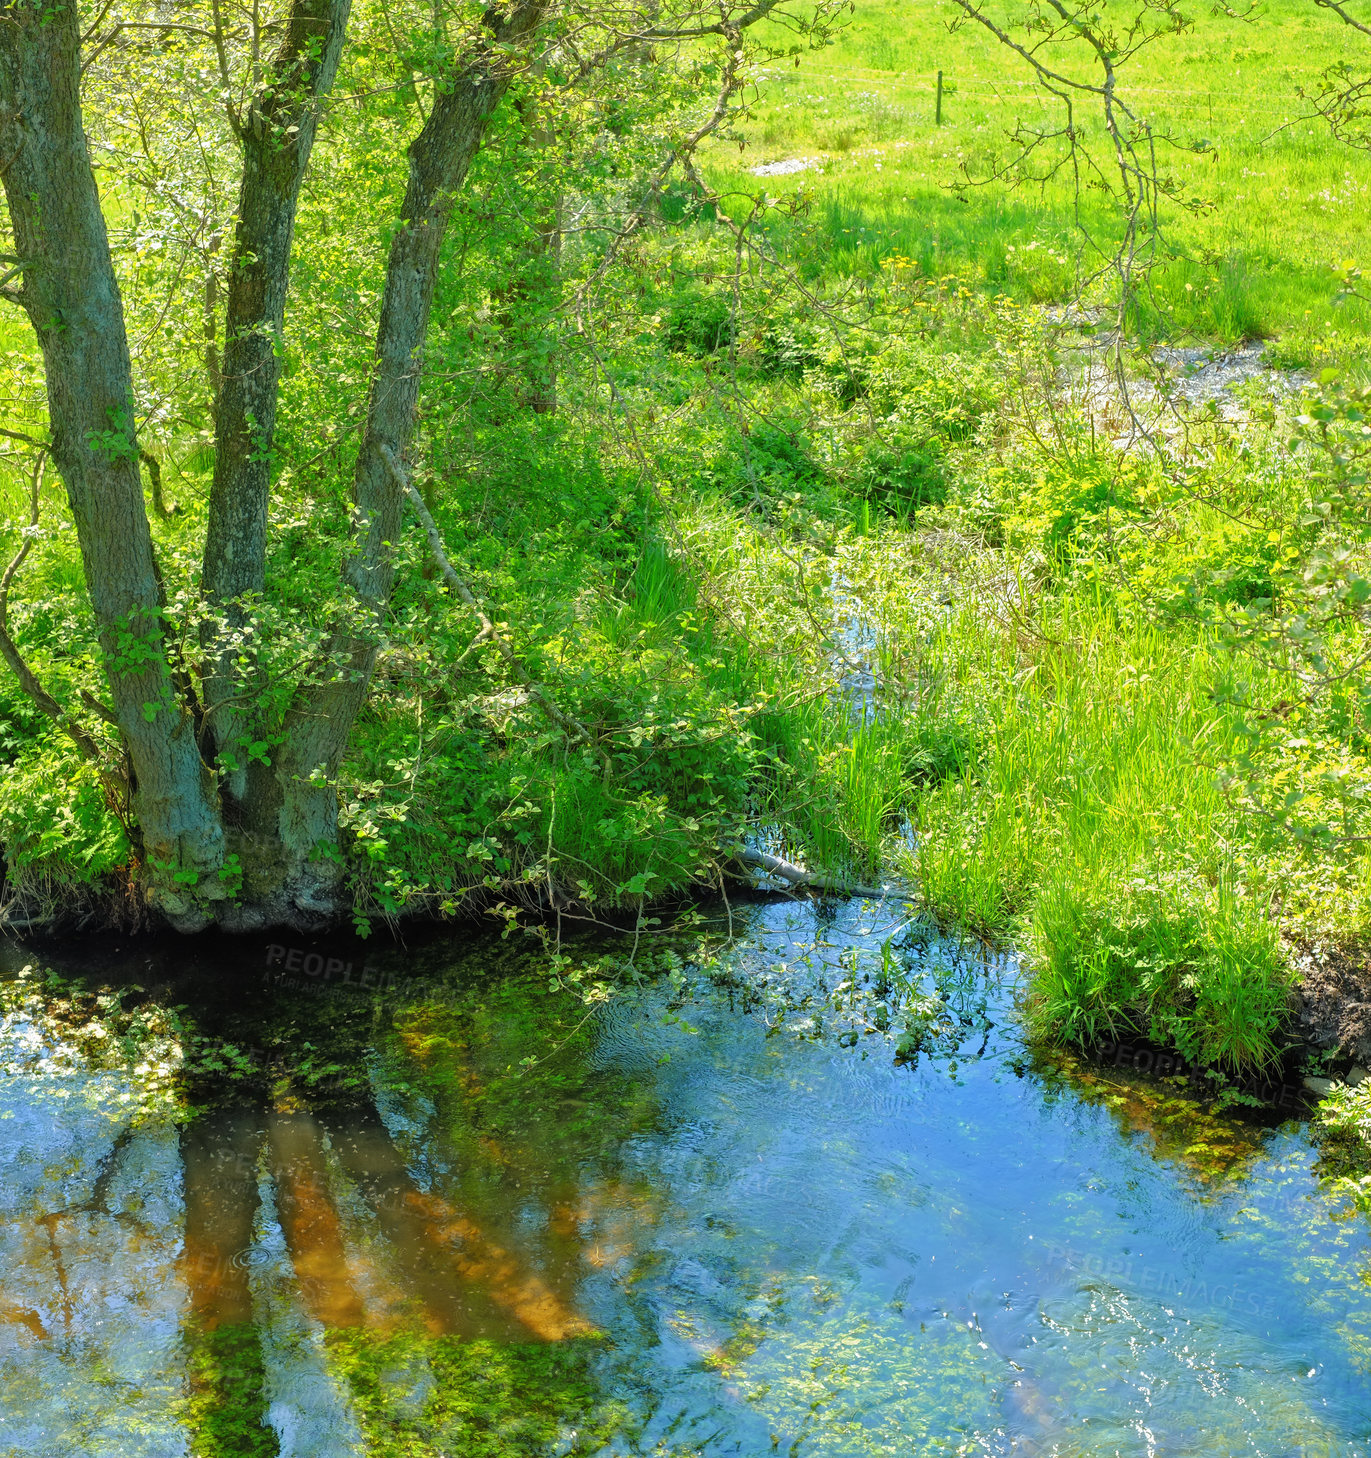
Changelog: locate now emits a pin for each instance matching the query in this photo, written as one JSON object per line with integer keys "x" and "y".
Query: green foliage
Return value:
{"x": 926, "y": 387}
{"x": 1205, "y": 976}
{"x": 847, "y": 552}
{"x": 463, "y": 783}
{"x": 784, "y": 353}
{"x": 1344, "y": 1119}
{"x": 116, "y": 445}
{"x": 700, "y": 324}
{"x": 901, "y": 475}
{"x": 56, "y": 825}
{"x": 772, "y": 459}
{"x": 1346, "y": 1111}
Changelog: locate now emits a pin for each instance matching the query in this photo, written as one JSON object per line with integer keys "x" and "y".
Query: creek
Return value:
{"x": 806, "y": 1192}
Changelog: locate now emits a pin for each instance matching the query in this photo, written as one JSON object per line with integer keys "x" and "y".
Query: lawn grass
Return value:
{"x": 1284, "y": 203}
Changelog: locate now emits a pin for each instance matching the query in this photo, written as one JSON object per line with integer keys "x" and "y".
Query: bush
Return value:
{"x": 770, "y": 461}
{"x": 930, "y": 391}
{"x": 784, "y": 355}
{"x": 901, "y": 474}
{"x": 700, "y": 325}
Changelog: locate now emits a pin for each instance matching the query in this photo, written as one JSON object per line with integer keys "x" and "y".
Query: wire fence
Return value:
{"x": 1196, "y": 101}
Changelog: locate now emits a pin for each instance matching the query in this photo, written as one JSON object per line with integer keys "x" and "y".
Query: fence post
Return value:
{"x": 938, "y": 106}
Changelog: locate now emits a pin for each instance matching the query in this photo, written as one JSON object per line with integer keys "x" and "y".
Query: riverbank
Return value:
{"x": 1007, "y": 668}
{"x": 843, "y": 555}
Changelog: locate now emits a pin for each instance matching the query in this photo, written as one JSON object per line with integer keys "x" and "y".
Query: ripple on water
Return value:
{"x": 789, "y": 1242}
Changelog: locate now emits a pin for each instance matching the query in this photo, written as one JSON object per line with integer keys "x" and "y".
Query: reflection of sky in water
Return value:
{"x": 860, "y": 1259}
{"x": 90, "y": 1312}
{"x": 808, "y": 1250}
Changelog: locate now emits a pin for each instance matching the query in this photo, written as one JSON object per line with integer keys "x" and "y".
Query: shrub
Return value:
{"x": 770, "y": 461}
{"x": 783, "y": 354}
{"x": 700, "y": 325}
{"x": 901, "y": 474}
{"x": 932, "y": 391}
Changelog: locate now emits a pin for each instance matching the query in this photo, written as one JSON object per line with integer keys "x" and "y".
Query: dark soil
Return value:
{"x": 1332, "y": 1003}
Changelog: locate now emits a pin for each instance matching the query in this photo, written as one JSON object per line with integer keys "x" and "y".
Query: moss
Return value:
{"x": 418, "y": 1396}
{"x": 1212, "y": 1147}
{"x": 226, "y": 1397}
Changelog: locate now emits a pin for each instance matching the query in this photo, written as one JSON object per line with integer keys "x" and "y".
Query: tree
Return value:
{"x": 276, "y": 130}
{"x": 236, "y": 824}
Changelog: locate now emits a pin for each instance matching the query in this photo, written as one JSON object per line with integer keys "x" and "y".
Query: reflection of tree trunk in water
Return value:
{"x": 435, "y": 1242}
{"x": 309, "y": 1218}
{"x": 465, "y": 1277}
{"x": 227, "y": 1386}
{"x": 23, "y": 1316}
{"x": 220, "y": 1161}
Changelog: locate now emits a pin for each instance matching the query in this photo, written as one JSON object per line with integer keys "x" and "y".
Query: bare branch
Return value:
{"x": 575, "y": 731}
{"x": 1341, "y": 11}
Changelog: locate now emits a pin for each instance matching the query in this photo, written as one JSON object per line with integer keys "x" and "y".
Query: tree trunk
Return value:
{"x": 72, "y": 299}
{"x": 529, "y": 298}
{"x": 277, "y": 135}
{"x": 303, "y": 807}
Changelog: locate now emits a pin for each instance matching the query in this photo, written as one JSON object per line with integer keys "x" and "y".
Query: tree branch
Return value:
{"x": 155, "y": 478}
{"x": 574, "y": 730}
{"x": 9, "y": 649}
{"x": 1343, "y": 14}
{"x": 798, "y": 876}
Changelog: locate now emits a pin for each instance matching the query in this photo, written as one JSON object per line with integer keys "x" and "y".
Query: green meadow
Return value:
{"x": 1281, "y": 204}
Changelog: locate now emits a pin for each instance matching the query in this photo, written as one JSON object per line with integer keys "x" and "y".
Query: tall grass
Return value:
{"x": 1059, "y": 766}
{"x": 1092, "y": 821}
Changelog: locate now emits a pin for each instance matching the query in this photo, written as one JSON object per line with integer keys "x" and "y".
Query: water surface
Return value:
{"x": 812, "y": 1196}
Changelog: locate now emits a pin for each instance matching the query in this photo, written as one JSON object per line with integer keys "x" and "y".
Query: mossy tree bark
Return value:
{"x": 275, "y": 829}
{"x": 276, "y": 131}
{"x": 68, "y": 289}
{"x": 302, "y": 814}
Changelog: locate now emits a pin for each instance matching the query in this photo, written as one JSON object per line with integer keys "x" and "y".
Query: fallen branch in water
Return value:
{"x": 797, "y": 876}
{"x": 573, "y": 730}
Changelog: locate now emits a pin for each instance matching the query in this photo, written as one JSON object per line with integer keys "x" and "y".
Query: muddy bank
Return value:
{"x": 1331, "y": 1007}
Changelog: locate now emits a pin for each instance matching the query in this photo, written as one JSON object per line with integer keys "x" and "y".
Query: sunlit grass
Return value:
{"x": 1281, "y": 203}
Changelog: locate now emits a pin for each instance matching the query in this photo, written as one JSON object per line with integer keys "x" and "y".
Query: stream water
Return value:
{"x": 809, "y": 1195}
